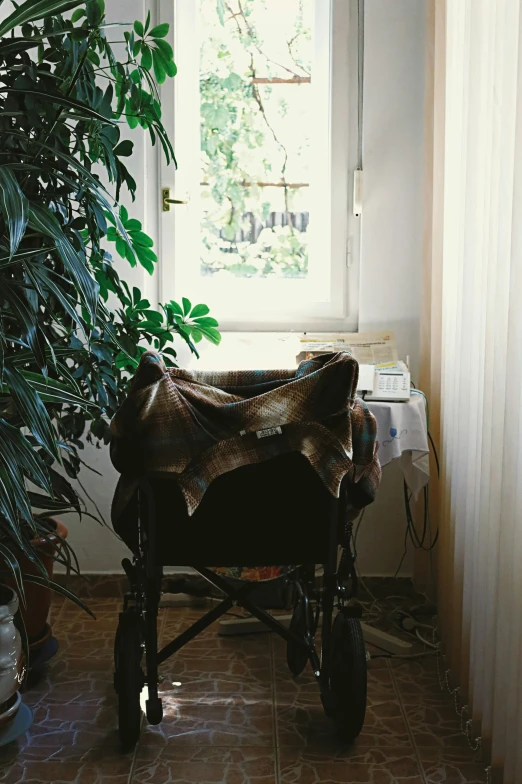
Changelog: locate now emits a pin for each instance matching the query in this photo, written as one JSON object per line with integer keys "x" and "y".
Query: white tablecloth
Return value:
{"x": 402, "y": 434}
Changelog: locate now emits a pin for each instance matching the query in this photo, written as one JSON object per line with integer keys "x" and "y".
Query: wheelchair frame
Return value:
{"x": 339, "y": 667}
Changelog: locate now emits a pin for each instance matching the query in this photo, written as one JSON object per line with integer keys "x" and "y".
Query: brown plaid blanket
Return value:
{"x": 198, "y": 425}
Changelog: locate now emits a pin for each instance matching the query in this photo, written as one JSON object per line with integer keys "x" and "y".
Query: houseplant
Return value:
{"x": 65, "y": 356}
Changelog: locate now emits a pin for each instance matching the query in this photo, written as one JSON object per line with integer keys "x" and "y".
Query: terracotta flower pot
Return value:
{"x": 38, "y": 598}
{"x": 11, "y": 656}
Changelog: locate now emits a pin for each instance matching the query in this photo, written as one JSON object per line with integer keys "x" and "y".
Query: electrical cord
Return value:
{"x": 435, "y": 455}
{"x": 424, "y": 641}
{"x": 423, "y": 540}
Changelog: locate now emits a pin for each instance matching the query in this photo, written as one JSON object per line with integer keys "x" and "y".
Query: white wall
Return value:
{"x": 390, "y": 264}
{"x": 392, "y": 227}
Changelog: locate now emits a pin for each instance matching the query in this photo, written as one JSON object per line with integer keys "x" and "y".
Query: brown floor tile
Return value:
{"x": 177, "y": 619}
{"x": 211, "y": 663}
{"x": 417, "y": 679}
{"x": 212, "y": 720}
{"x": 98, "y": 586}
{"x": 98, "y": 606}
{"x": 247, "y": 671}
{"x": 219, "y": 716}
{"x": 205, "y": 765}
{"x": 367, "y": 766}
{"x": 68, "y": 733}
{"x": 29, "y": 772}
{"x": 435, "y": 724}
{"x": 211, "y": 645}
{"x": 301, "y": 721}
{"x": 451, "y": 767}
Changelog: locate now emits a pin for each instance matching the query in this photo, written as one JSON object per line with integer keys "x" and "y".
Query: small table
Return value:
{"x": 402, "y": 434}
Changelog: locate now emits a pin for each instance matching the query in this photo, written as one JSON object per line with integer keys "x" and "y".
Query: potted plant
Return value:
{"x": 65, "y": 355}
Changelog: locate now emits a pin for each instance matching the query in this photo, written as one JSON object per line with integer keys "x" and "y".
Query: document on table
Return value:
{"x": 368, "y": 348}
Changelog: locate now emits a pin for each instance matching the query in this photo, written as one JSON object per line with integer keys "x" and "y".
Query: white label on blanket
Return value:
{"x": 269, "y": 431}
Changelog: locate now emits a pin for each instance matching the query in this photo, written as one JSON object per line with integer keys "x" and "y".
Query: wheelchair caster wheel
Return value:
{"x": 348, "y": 679}
{"x": 128, "y": 678}
{"x": 297, "y": 655}
{"x": 154, "y": 711}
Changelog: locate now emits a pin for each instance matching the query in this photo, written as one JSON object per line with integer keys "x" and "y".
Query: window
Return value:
{"x": 266, "y": 144}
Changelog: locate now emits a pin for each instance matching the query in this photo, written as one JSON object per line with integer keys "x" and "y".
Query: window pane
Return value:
{"x": 256, "y": 133}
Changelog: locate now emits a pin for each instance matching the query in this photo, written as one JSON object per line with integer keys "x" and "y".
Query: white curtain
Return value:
{"x": 472, "y": 340}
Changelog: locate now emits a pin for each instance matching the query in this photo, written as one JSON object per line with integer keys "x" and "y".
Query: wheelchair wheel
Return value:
{"x": 348, "y": 679}
{"x": 128, "y": 678}
{"x": 302, "y": 621}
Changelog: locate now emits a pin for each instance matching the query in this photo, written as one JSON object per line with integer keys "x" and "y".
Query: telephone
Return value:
{"x": 389, "y": 381}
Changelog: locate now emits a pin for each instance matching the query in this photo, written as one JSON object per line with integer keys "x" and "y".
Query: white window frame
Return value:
{"x": 340, "y": 312}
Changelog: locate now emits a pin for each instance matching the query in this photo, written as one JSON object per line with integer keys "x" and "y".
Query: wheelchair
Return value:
{"x": 277, "y": 512}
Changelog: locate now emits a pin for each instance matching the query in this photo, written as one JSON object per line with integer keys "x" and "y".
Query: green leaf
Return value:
{"x": 52, "y": 391}
{"x": 27, "y": 459}
{"x": 60, "y": 100}
{"x": 170, "y": 67}
{"x": 31, "y": 11}
{"x": 220, "y": 8}
{"x": 206, "y": 321}
{"x": 212, "y": 335}
{"x": 140, "y": 238}
{"x": 43, "y": 220}
{"x": 147, "y": 21}
{"x": 6, "y": 261}
{"x": 146, "y": 58}
{"x": 93, "y": 57}
{"x": 133, "y": 225}
{"x": 186, "y": 306}
{"x": 8, "y": 557}
{"x": 199, "y": 310}
{"x": 145, "y": 253}
{"x": 216, "y": 116}
{"x": 165, "y": 48}
{"x": 159, "y": 69}
{"x": 32, "y": 410}
{"x": 49, "y": 281}
{"x": 77, "y": 15}
{"x": 146, "y": 257}
{"x": 60, "y": 589}
{"x": 13, "y": 506}
{"x": 14, "y": 206}
{"x": 124, "y": 148}
{"x": 121, "y": 247}
{"x": 153, "y": 315}
{"x": 160, "y": 31}
{"x": 26, "y": 319}
{"x": 138, "y": 28}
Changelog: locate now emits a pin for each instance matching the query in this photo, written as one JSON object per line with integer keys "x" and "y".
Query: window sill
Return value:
{"x": 247, "y": 351}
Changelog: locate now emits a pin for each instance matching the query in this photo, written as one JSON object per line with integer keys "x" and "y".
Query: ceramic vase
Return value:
{"x": 12, "y": 664}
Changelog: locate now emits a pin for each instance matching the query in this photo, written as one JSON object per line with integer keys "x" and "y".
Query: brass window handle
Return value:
{"x": 167, "y": 201}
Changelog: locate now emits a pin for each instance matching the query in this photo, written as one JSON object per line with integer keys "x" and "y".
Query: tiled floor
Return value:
{"x": 232, "y": 715}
